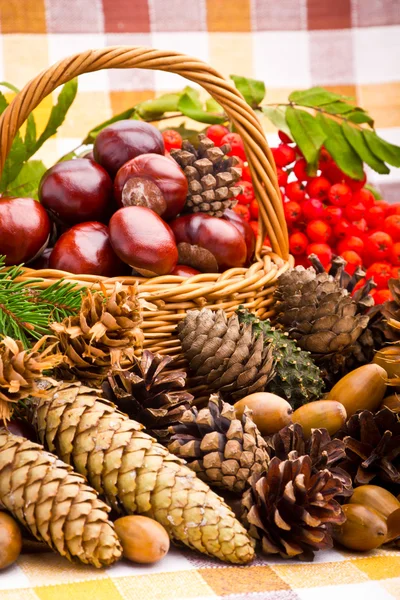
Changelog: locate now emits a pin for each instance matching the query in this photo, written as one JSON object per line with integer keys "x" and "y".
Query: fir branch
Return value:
{"x": 26, "y": 311}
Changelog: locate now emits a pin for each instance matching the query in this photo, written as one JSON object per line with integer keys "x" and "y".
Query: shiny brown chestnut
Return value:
{"x": 124, "y": 140}
{"x": 184, "y": 271}
{"x": 221, "y": 238}
{"x": 142, "y": 240}
{"x": 154, "y": 181}
{"x": 76, "y": 191}
{"x": 24, "y": 229}
{"x": 245, "y": 229}
{"x": 86, "y": 249}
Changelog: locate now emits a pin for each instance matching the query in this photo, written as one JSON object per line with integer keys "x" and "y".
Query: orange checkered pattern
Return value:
{"x": 350, "y": 46}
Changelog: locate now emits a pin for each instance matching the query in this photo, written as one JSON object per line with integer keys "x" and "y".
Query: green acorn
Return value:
{"x": 296, "y": 378}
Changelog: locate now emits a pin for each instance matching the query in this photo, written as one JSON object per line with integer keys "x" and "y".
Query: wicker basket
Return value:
{"x": 173, "y": 295}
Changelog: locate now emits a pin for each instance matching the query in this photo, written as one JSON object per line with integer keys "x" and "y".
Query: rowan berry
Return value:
{"x": 295, "y": 191}
{"x": 172, "y": 139}
{"x": 298, "y": 243}
{"x": 318, "y": 231}
{"x": 216, "y": 133}
{"x": 318, "y": 187}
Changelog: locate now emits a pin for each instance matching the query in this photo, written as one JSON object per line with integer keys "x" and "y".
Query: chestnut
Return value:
{"x": 42, "y": 262}
{"x": 154, "y": 181}
{"x": 221, "y": 238}
{"x": 184, "y": 271}
{"x": 124, "y": 140}
{"x": 75, "y": 191}
{"x": 24, "y": 229}
{"x": 86, "y": 249}
{"x": 141, "y": 239}
{"x": 245, "y": 229}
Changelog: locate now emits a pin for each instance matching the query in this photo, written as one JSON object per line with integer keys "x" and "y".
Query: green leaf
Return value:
{"x": 190, "y": 109}
{"x": 338, "y": 108}
{"x": 277, "y": 116}
{"x": 252, "y": 90}
{"x": 213, "y": 106}
{"x": 356, "y": 140}
{"x": 373, "y": 191}
{"x": 93, "y": 133}
{"x": 26, "y": 184}
{"x": 194, "y": 94}
{"x": 382, "y": 149}
{"x": 306, "y": 132}
{"x": 152, "y": 109}
{"x": 3, "y": 103}
{"x": 360, "y": 116}
{"x": 14, "y": 162}
{"x": 339, "y": 148}
{"x": 59, "y": 111}
{"x": 316, "y": 96}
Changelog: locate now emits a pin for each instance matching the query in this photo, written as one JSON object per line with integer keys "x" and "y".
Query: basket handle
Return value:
{"x": 261, "y": 162}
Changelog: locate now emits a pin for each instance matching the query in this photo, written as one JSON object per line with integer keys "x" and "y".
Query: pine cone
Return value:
{"x": 135, "y": 474}
{"x": 224, "y": 355}
{"x": 322, "y": 316}
{"x": 20, "y": 369}
{"x": 221, "y": 449}
{"x": 148, "y": 394}
{"x": 291, "y": 510}
{"x": 372, "y": 444}
{"x": 211, "y": 174}
{"x": 386, "y": 318}
{"x": 296, "y": 376}
{"x": 106, "y": 330}
{"x": 324, "y": 452}
{"x": 54, "y": 503}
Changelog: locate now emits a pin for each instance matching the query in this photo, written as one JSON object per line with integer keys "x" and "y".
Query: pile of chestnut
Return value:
{"x": 118, "y": 209}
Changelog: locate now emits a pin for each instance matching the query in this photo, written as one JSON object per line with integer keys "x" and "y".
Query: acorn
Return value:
{"x": 10, "y": 540}
{"x": 389, "y": 359}
{"x": 327, "y": 414}
{"x": 364, "y": 528}
{"x": 143, "y": 540}
{"x": 392, "y": 402}
{"x": 269, "y": 412}
{"x": 393, "y": 526}
{"x": 361, "y": 389}
{"x": 376, "y": 497}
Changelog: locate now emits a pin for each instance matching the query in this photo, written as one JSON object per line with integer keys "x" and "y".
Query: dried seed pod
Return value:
{"x": 364, "y": 528}
{"x": 269, "y": 412}
{"x": 323, "y": 414}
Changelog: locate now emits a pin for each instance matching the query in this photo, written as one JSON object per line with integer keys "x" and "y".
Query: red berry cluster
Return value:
{"x": 327, "y": 214}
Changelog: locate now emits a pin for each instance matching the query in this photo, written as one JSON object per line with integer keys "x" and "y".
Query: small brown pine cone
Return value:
{"x": 55, "y": 504}
{"x": 372, "y": 444}
{"x": 225, "y": 355}
{"x": 221, "y": 449}
{"x": 106, "y": 330}
{"x": 148, "y": 393}
{"x": 290, "y": 510}
{"x": 324, "y": 452}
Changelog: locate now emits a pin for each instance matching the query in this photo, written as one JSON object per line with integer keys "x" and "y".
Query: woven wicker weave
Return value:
{"x": 174, "y": 295}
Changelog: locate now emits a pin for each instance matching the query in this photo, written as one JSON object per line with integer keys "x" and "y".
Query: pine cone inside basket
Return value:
{"x": 135, "y": 474}
{"x": 225, "y": 355}
{"x": 212, "y": 176}
{"x": 54, "y": 503}
{"x": 221, "y": 449}
{"x": 148, "y": 393}
{"x": 290, "y": 510}
{"x": 324, "y": 452}
{"x": 106, "y": 330}
{"x": 372, "y": 444}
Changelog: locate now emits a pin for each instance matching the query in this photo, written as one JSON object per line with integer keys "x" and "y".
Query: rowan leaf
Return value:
{"x": 356, "y": 139}
{"x": 316, "y": 96}
{"x": 191, "y": 109}
{"x": 277, "y": 116}
{"x": 58, "y": 112}
{"x": 252, "y": 90}
{"x": 340, "y": 149}
{"x": 26, "y": 184}
{"x": 306, "y": 132}
{"x": 382, "y": 149}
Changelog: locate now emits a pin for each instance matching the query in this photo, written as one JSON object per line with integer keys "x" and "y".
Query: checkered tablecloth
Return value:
{"x": 183, "y": 575}
{"x": 349, "y": 46}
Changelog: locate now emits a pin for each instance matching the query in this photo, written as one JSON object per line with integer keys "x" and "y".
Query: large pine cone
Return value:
{"x": 322, "y": 316}
{"x": 225, "y": 355}
{"x": 106, "y": 330}
{"x": 324, "y": 452}
{"x": 223, "y": 450}
{"x": 372, "y": 444}
{"x": 148, "y": 393}
{"x": 290, "y": 509}
{"x": 212, "y": 176}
